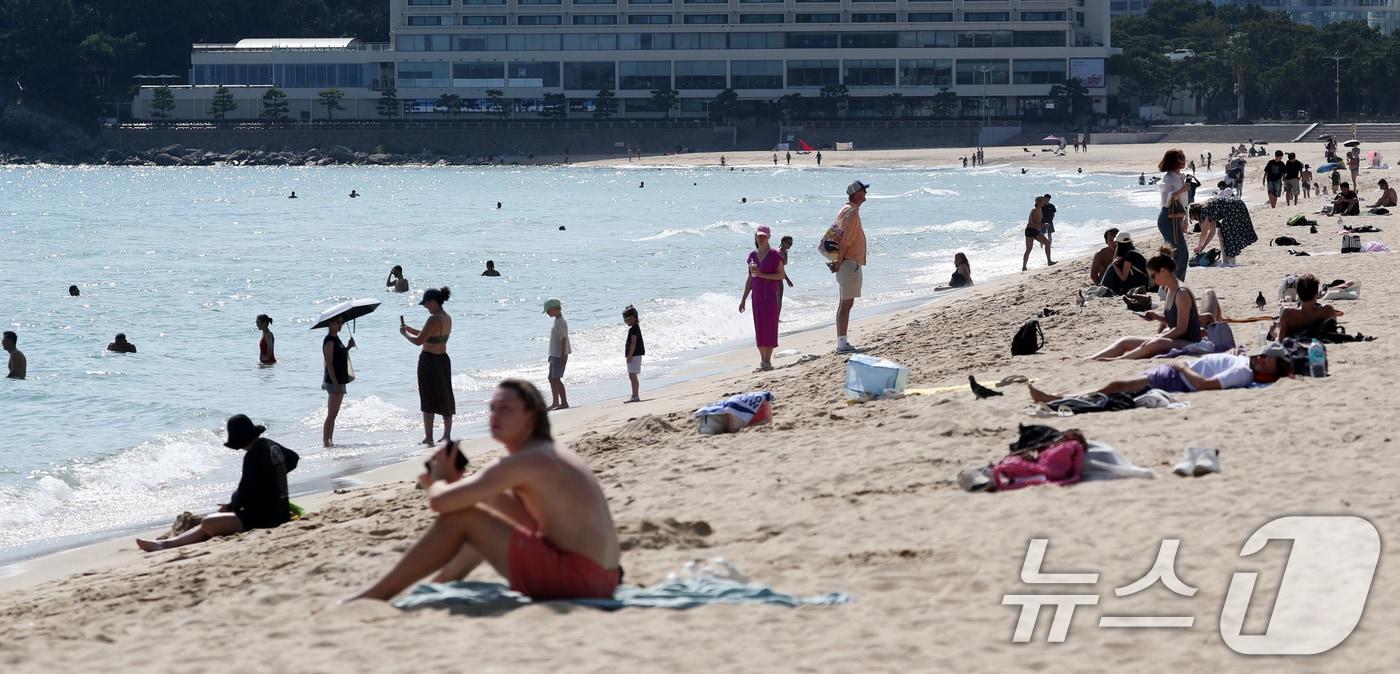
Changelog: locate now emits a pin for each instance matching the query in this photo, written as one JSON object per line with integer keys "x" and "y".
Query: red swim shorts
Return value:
{"x": 540, "y": 570}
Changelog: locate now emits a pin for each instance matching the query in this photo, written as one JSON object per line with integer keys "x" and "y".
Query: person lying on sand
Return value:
{"x": 1180, "y": 322}
{"x": 1308, "y": 315}
{"x": 260, "y": 502}
{"x": 1212, "y": 372}
{"x": 538, "y": 516}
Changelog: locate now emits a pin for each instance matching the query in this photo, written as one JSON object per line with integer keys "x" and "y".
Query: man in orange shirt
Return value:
{"x": 850, "y": 258}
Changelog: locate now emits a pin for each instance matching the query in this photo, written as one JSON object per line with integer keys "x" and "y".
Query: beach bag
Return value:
{"x": 1351, "y": 292}
{"x": 1221, "y": 336}
{"x": 1207, "y": 258}
{"x": 1284, "y": 241}
{"x": 1061, "y": 462}
{"x": 1298, "y": 220}
{"x": 1351, "y": 243}
{"x": 1028, "y": 340}
{"x": 868, "y": 377}
{"x": 1138, "y": 303}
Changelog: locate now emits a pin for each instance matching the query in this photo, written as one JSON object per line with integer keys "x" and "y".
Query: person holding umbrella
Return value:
{"x": 336, "y": 375}
{"x": 434, "y": 366}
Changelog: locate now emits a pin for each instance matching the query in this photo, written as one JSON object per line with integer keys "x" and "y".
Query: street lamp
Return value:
{"x": 1337, "y": 61}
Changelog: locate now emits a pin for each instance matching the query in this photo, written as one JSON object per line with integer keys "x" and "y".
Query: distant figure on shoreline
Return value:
{"x": 336, "y": 374}
{"x": 396, "y": 280}
{"x": 819, "y": 158}
{"x": 354, "y": 194}
{"x": 120, "y": 345}
{"x": 293, "y": 195}
{"x": 266, "y": 353}
{"x": 435, "y": 395}
{"x": 73, "y": 291}
{"x": 260, "y": 502}
{"x": 721, "y": 161}
{"x": 18, "y": 366}
{"x": 559, "y": 350}
{"x": 634, "y": 350}
{"x": 490, "y": 269}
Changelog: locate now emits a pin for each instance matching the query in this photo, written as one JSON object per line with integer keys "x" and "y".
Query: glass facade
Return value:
{"x": 983, "y": 72}
{"x": 926, "y": 73}
{"x": 756, "y": 74}
{"x": 286, "y": 75}
{"x": 701, "y": 75}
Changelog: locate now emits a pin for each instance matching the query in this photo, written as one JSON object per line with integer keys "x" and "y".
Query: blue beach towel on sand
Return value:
{"x": 743, "y": 406}
{"x": 672, "y": 594}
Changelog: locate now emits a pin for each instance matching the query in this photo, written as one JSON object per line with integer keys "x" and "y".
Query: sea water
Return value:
{"x": 183, "y": 259}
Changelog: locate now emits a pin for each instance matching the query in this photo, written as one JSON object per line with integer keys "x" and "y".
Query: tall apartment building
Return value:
{"x": 999, "y": 57}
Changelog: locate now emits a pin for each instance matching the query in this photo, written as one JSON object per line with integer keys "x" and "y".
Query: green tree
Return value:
{"x": 1071, "y": 98}
{"x": 388, "y": 105}
{"x": 274, "y": 105}
{"x": 222, "y": 103}
{"x": 788, "y": 106}
{"x": 451, "y": 104}
{"x": 330, "y": 100}
{"x": 1240, "y": 58}
{"x": 836, "y": 97}
{"x": 498, "y": 101}
{"x": 604, "y": 104}
{"x": 666, "y": 99}
{"x": 162, "y": 102}
{"x": 724, "y": 106}
{"x": 556, "y": 106}
{"x": 944, "y": 103}
{"x": 103, "y": 49}
{"x": 889, "y": 104}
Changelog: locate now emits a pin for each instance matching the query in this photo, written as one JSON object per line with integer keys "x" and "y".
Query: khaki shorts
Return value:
{"x": 634, "y": 365}
{"x": 849, "y": 278}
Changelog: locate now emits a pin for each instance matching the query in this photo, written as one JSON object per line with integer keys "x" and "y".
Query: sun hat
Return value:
{"x": 1123, "y": 237}
{"x": 241, "y": 431}
{"x": 763, "y": 231}
{"x": 856, "y": 186}
{"x": 551, "y": 303}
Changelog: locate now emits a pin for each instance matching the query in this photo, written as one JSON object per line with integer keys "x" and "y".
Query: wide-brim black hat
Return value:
{"x": 241, "y": 431}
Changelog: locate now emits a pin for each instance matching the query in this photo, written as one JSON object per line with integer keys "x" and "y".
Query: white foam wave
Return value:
{"x": 731, "y": 226}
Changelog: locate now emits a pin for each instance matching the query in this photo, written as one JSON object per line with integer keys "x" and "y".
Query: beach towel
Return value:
{"x": 671, "y": 594}
{"x": 735, "y": 413}
{"x": 1103, "y": 462}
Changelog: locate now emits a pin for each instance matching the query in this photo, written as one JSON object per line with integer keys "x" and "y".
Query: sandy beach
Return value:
{"x": 832, "y": 497}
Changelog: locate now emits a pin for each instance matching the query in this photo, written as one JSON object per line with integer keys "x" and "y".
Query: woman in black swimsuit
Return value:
{"x": 435, "y": 395}
{"x": 336, "y": 374}
{"x": 1176, "y": 332}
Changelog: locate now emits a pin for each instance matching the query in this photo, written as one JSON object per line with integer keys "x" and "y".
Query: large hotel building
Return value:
{"x": 999, "y": 57}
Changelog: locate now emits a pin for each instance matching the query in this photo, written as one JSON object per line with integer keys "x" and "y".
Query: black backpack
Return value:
{"x": 1284, "y": 241}
{"x": 1028, "y": 339}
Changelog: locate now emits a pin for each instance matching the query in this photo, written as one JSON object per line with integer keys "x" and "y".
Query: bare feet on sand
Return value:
{"x": 1040, "y": 396}
{"x": 632, "y": 400}
{"x": 149, "y": 546}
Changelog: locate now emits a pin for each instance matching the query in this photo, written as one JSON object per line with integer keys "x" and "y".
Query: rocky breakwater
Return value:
{"x": 338, "y": 155}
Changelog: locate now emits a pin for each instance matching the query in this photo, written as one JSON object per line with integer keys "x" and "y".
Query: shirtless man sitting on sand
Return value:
{"x": 1308, "y": 314}
{"x": 538, "y": 516}
{"x": 1034, "y": 233}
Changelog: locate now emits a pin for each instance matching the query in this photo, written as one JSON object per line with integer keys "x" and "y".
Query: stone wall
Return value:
{"x": 514, "y": 142}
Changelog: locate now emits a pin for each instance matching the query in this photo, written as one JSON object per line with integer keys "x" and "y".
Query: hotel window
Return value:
{"x": 756, "y": 74}
{"x": 948, "y": 1}
{"x": 423, "y": 75}
{"x": 761, "y": 18}
{"x": 533, "y": 41}
{"x": 1038, "y": 71}
{"x": 484, "y": 20}
{"x": 1039, "y": 38}
{"x": 539, "y": 20}
{"x": 707, "y": 18}
{"x": 873, "y": 17}
{"x": 700, "y": 40}
{"x": 590, "y": 41}
{"x": 926, "y": 73}
{"x": 869, "y": 40}
{"x": 700, "y": 75}
{"x": 752, "y": 2}
{"x": 433, "y": 20}
{"x": 833, "y": 17}
{"x": 536, "y": 2}
{"x": 986, "y": 39}
{"x": 756, "y": 41}
{"x": 648, "y": 2}
{"x": 424, "y": 43}
{"x": 649, "y": 19}
{"x": 644, "y": 41}
{"x": 1044, "y": 16}
{"x": 481, "y": 43}
{"x": 813, "y": 73}
{"x": 983, "y": 72}
{"x": 806, "y": 1}
{"x": 594, "y": 19}
{"x": 531, "y": 74}
{"x": 429, "y": 3}
{"x": 644, "y": 75}
{"x": 483, "y": 2}
{"x": 706, "y": 2}
{"x": 478, "y": 74}
{"x": 595, "y": 2}
{"x": 589, "y": 76}
{"x": 869, "y": 73}
{"x": 986, "y": 16}
{"x": 926, "y": 38}
{"x": 930, "y": 17}
{"x": 813, "y": 40}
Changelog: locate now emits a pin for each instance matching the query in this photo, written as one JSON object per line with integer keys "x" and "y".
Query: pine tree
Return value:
{"x": 222, "y": 103}
{"x": 274, "y": 105}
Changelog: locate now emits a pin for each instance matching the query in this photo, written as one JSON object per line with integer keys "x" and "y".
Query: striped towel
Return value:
{"x": 742, "y": 406}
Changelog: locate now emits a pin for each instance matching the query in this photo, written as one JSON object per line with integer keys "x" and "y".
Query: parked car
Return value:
{"x": 1181, "y": 55}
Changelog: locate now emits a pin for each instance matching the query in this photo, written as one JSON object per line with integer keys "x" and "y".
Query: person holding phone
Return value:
{"x": 435, "y": 395}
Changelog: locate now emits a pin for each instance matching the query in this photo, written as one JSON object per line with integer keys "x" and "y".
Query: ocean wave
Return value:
{"x": 917, "y": 192}
{"x": 731, "y": 226}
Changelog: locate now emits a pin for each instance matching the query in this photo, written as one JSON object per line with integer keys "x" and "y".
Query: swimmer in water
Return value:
{"x": 490, "y": 269}
{"x": 120, "y": 345}
{"x": 644, "y": 184}
{"x": 498, "y": 205}
{"x": 743, "y": 200}
{"x": 18, "y": 365}
{"x": 293, "y": 195}
{"x": 354, "y": 194}
{"x": 396, "y": 280}
{"x": 73, "y": 291}
{"x": 266, "y": 354}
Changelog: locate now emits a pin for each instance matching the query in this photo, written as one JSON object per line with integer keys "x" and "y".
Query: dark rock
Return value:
{"x": 165, "y": 159}
{"x": 172, "y": 150}
{"x": 113, "y": 157}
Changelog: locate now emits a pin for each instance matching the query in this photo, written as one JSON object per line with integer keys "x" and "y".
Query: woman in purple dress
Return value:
{"x": 764, "y": 282}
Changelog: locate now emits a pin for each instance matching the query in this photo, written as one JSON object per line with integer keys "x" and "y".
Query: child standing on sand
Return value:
{"x": 558, "y": 354}
{"x": 634, "y": 350}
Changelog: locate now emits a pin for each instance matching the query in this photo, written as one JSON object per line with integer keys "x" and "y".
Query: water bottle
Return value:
{"x": 1317, "y": 359}
{"x": 1339, "y": 223}
{"x": 1263, "y": 336}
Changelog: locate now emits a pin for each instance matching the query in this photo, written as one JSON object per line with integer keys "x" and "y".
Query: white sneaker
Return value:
{"x": 846, "y": 348}
{"x": 1198, "y": 461}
